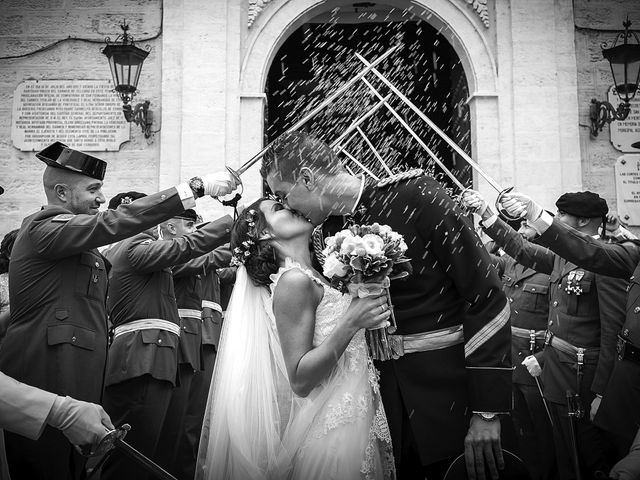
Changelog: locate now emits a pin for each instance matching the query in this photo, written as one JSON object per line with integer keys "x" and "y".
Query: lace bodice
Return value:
{"x": 350, "y": 396}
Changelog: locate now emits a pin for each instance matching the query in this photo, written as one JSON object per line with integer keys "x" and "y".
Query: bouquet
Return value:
{"x": 362, "y": 260}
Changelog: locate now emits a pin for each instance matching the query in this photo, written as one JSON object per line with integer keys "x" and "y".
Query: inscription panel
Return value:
{"x": 627, "y": 172}
{"x": 83, "y": 114}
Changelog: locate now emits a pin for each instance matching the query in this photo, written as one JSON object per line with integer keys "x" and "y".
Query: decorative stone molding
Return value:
{"x": 255, "y": 7}
{"x": 480, "y": 6}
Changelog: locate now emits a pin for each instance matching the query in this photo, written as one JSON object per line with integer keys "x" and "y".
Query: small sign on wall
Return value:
{"x": 83, "y": 114}
{"x": 623, "y": 134}
{"x": 627, "y": 172}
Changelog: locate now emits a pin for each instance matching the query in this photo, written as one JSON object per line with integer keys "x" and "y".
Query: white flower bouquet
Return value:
{"x": 361, "y": 260}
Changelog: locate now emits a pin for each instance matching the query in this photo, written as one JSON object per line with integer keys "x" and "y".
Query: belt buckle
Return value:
{"x": 397, "y": 346}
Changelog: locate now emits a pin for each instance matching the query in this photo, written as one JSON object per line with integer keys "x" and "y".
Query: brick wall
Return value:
{"x": 29, "y": 25}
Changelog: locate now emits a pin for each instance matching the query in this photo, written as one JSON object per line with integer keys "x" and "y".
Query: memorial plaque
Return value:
{"x": 627, "y": 171}
{"x": 83, "y": 114}
{"x": 623, "y": 134}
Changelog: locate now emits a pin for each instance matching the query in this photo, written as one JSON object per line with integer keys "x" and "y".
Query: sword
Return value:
{"x": 544, "y": 400}
{"x": 574, "y": 411}
{"x": 113, "y": 440}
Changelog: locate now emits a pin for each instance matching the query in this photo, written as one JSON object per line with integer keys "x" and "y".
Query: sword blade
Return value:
{"x": 149, "y": 465}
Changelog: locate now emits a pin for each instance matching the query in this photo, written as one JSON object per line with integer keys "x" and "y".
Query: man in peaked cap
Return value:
{"x": 57, "y": 337}
{"x": 586, "y": 310}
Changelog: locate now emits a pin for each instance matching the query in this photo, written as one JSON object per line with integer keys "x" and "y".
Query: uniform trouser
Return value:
{"x": 51, "y": 457}
{"x": 594, "y": 450}
{"x": 534, "y": 432}
{"x": 171, "y": 433}
{"x": 190, "y": 439}
{"x": 141, "y": 402}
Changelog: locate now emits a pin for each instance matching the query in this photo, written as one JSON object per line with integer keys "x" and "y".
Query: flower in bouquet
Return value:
{"x": 360, "y": 260}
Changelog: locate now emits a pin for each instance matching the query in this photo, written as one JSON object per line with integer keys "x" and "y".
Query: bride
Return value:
{"x": 294, "y": 394}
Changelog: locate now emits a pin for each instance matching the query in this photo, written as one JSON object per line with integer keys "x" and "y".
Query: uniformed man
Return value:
{"x": 619, "y": 411}
{"x": 209, "y": 300}
{"x": 142, "y": 369}
{"x": 585, "y": 312}
{"x": 528, "y": 294}
{"x": 57, "y": 339}
{"x": 447, "y": 379}
{"x": 188, "y": 279}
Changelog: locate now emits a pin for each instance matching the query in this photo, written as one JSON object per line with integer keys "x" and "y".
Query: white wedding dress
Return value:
{"x": 339, "y": 431}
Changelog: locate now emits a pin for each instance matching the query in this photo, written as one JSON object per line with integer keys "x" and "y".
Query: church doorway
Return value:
{"x": 319, "y": 57}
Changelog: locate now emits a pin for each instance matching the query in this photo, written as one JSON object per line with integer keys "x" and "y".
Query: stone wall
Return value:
{"x": 35, "y": 45}
{"x": 597, "y": 22}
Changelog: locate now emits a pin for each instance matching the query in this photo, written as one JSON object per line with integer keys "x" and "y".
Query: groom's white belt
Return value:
{"x": 423, "y": 342}
{"x": 146, "y": 324}
{"x": 189, "y": 313}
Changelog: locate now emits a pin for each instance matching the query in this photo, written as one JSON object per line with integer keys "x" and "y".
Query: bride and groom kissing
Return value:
{"x": 294, "y": 394}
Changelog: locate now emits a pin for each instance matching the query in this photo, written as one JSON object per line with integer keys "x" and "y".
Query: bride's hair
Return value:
{"x": 247, "y": 247}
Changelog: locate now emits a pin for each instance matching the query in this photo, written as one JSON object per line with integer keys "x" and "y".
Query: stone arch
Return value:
{"x": 456, "y": 21}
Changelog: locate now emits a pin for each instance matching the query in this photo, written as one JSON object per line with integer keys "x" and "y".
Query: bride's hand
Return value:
{"x": 369, "y": 311}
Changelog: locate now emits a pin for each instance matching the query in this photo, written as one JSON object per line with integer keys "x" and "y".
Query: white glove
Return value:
{"x": 219, "y": 184}
{"x": 81, "y": 422}
{"x": 532, "y": 365}
{"x": 474, "y": 201}
{"x": 628, "y": 468}
{"x": 516, "y": 203}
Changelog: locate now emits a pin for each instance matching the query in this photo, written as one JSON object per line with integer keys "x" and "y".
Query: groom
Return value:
{"x": 446, "y": 392}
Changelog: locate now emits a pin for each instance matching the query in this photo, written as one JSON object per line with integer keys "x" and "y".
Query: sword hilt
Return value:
{"x": 501, "y": 211}
{"x": 107, "y": 442}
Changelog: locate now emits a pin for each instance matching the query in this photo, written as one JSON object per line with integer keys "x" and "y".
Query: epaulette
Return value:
{"x": 399, "y": 177}
{"x": 63, "y": 217}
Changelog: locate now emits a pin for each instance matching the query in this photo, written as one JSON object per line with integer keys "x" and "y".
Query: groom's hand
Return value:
{"x": 482, "y": 446}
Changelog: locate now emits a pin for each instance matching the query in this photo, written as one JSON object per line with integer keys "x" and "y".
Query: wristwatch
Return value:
{"x": 486, "y": 416}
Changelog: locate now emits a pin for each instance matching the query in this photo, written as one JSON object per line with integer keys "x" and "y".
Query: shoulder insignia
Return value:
{"x": 399, "y": 177}
{"x": 64, "y": 217}
{"x": 146, "y": 242}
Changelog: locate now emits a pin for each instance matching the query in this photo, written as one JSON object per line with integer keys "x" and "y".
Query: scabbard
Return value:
{"x": 573, "y": 411}
{"x": 149, "y": 465}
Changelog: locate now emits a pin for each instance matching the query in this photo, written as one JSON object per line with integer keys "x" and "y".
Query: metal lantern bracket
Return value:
{"x": 125, "y": 62}
{"x": 624, "y": 60}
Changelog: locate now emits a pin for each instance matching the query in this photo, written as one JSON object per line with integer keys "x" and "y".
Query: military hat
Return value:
{"x": 58, "y": 155}
{"x": 188, "y": 214}
{"x": 124, "y": 198}
{"x": 514, "y": 468}
{"x": 583, "y": 204}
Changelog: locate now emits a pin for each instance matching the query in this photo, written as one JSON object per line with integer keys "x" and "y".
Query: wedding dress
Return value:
{"x": 339, "y": 431}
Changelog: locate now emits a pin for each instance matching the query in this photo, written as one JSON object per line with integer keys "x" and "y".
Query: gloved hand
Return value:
{"x": 81, "y": 422}
{"x": 219, "y": 183}
{"x": 474, "y": 201}
{"x": 532, "y": 365}
{"x": 516, "y": 203}
{"x": 628, "y": 468}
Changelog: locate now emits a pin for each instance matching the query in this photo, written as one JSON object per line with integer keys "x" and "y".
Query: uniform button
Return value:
{"x": 184, "y": 328}
{"x": 73, "y": 339}
{"x": 555, "y": 303}
{"x": 159, "y": 340}
{"x": 625, "y": 332}
{"x": 97, "y": 264}
{"x": 510, "y": 299}
{"x": 162, "y": 197}
{"x": 550, "y": 322}
{"x": 517, "y": 285}
{"x": 533, "y": 289}
{"x": 636, "y": 310}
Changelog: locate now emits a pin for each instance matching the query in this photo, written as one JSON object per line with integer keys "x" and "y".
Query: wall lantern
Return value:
{"x": 625, "y": 69}
{"x": 125, "y": 61}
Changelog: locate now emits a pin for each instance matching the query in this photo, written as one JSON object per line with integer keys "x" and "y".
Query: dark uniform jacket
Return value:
{"x": 453, "y": 283}
{"x": 142, "y": 288}
{"x": 57, "y": 339}
{"x": 189, "y": 285}
{"x": 620, "y": 408}
{"x": 585, "y": 310}
{"x": 528, "y": 295}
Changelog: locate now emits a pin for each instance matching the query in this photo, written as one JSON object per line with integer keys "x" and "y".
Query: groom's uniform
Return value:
{"x": 453, "y": 323}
